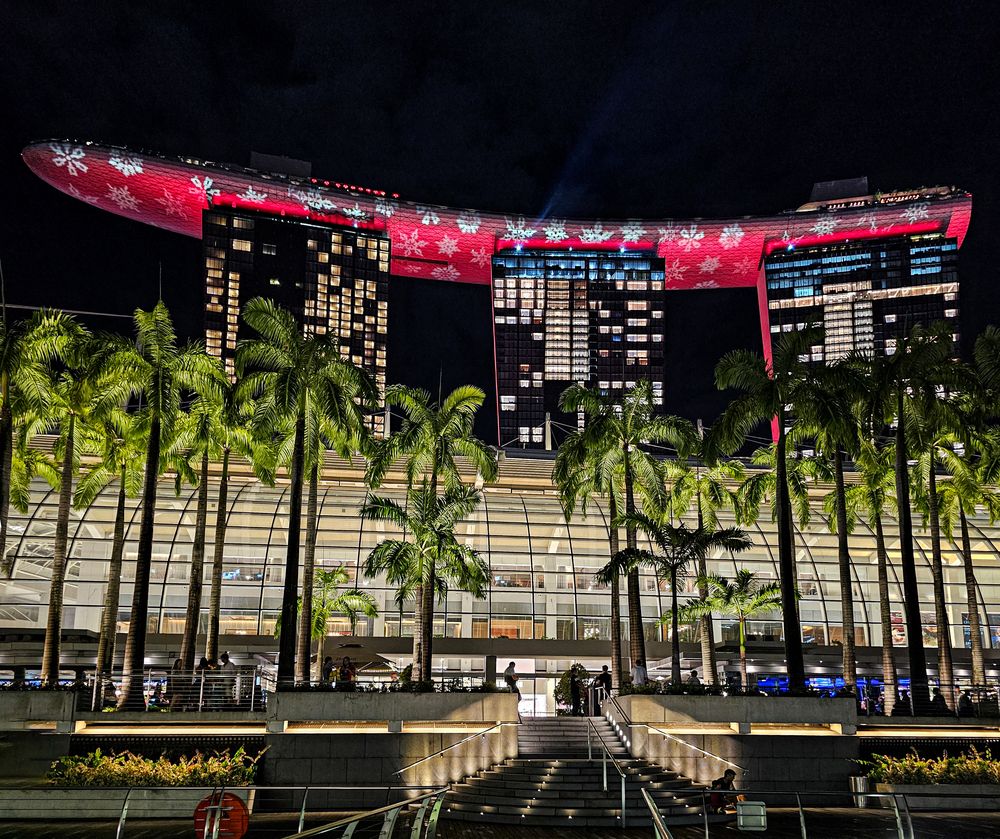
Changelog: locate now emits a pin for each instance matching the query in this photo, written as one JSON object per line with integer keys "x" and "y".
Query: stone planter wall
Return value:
{"x": 25, "y": 709}
{"x": 105, "y": 803}
{"x": 937, "y": 797}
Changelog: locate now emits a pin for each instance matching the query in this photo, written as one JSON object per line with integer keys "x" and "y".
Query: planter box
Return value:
{"x": 24, "y": 709}
{"x": 105, "y": 803}
{"x": 314, "y": 706}
{"x": 945, "y": 796}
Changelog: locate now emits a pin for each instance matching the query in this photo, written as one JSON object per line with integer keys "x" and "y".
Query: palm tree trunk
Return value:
{"x": 192, "y": 615}
{"x": 675, "y": 640}
{"x": 109, "y": 617}
{"x": 744, "y": 675}
{"x": 303, "y": 651}
{"x": 890, "y": 680}
{"x": 290, "y": 592}
{"x": 945, "y": 671}
{"x": 427, "y": 636}
{"x": 706, "y": 633}
{"x": 132, "y": 698}
{"x": 53, "y": 626}
{"x": 849, "y": 656}
{"x": 978, "y": 666}
{"x": 218, "y": 552}
{"x": 636, "y": 638}
{"x": 6, "y": 458}
{"x": 786, "y": 568}
{"x": 616, "y": 601}
{"x": 919, "y": 691}
{"x": 418, "y": 632}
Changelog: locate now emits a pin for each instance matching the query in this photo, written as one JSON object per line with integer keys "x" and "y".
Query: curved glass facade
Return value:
{"x": 542, "y": 569}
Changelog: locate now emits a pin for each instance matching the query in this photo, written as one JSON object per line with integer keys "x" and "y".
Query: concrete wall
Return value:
{"x": 27, "y": 755}
{"x": 20, "y": 709}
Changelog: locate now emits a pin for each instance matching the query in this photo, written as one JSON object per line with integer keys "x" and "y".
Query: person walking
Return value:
{"x": 511, "y": 678}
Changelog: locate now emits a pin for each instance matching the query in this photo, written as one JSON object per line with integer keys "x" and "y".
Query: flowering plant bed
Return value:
{"x": 971, "y": 767}
{"x": 128, "y": 770}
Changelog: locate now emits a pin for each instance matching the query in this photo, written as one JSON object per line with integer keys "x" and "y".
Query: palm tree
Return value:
{"x": 431, "y": 436}
{"x": 743, "y": 598}
{"x": 119, "y": 441}
{"x": 26, "y": 348}
{"x": 582, "y": 470}
{"x": 287, "y": 371}
{"x": 428, "y": 554}
{"x": 80, "y": 394}
{"x": 156, "y": 368}
{"x": 711, "y": 487}
{"x": 677, "y": 546}
{"x": 624, "y": 433}
{"x": 327, "y": 602}
{"x": 768, "y": 389}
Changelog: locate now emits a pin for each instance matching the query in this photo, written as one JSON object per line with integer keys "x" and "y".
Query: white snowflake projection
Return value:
{"x": 825, "y": 226}
{"x": 203, "y": 188}
{"x": 667, "y": 234}
{"x": 69, "y": 156}
{"x": 428, "y": 215}
{"x": 355, "y": 212}
{"x": 690, "y": 238}
{"x": 632, "y": 231}
{"x": 410, "y": 244}
{"x": 706, "y": 284}
{"x": 310, "y": 199}
{"x": 745, "y": 265}
{"x": 128, "y": 166}
{"x": 172, "y": 205}
{"x": 468, "y": 221}
{"x": 709, "y": 265}
{"x": 674, "y": 272}
{"x": 517, "y": 229}
{"x": 786, "y": 236}
{"x": 412, "y": 267}
{"x": 121, "y": 196}
{"x": 386, "y": 207}
{"x": 252, "y": 195}
{"x": 555, "y": 230}
{"x": 447, "y": 245}
{"x": 731, "y": 236}
{"x": 916, "y": 211}
{"x": 79, "y": 196}
{"x": 480, "y": 258}
{"x": 595, "y": 234}
{"x": 869, "y": 220}
{"x": 445, "y": 272}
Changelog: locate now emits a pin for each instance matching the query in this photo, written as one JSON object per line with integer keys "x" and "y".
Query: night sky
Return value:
{"x": 576, "y": 109}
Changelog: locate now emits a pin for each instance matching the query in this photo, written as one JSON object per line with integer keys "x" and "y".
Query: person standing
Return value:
{"x": 693, "y": 679}
{"x": 326, "y": 674}
{"x": 227, "y": 680}
{"x": 511, "y": 678}
{"x": 574, "y": 692}
{"x": 639, "y": 675}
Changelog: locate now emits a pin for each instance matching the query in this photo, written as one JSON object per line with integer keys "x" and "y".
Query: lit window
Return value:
{"x": 242, "y": 245}
{"x": 274, "y": 281}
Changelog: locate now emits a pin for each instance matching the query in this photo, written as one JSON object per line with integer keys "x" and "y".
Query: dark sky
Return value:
{"x": 668, "y": 109}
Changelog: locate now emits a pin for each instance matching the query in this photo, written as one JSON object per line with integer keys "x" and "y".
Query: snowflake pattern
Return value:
{"x": 517, "y": 229}
{"x": 709, "y": 265}
{"x": 125, "y": 200}
{"x": 555, "y": 230}
{"x": 468, "y": 221}
{"x": 594, "y": 234}
{"x": 411, "y": 245}
{"x": 916, "y": 211}
{"x": 480, "y": 258}
{"x": 667, "y": 234}
{"x": 69, "y": 156}
{"x": 412, "y": 267}
{"x": 252, "y": 195}
{"x": 355, "y": 212}
{"x": 445, "y": 272}
{"x": 632, "y": 231}
{"x": 447, "y": 245}
{"x": 128, "y": 166}
{"x": 386, "y": 207}
{"x": 869, "y": 220}
{"x": 690, "y": 238}
{"x": 706, "y": 284}
{"x": 731, "y": 236}
{"x": 310, "y": 199}
{"x": 825, "y": 226}
{"x": 79, "y": 196}
{"x": 428, "y": 215}
{"x": 745, "y": 265}
{"x": 203, "y": 188}
{"x": 172, "y": 205}
{"x": 674, "y": 272}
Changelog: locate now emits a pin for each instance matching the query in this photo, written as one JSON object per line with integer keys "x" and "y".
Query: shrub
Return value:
{"x": 968, "y": 768}
{"x": 563, "y": 696}
{"x": 130, "y": 770}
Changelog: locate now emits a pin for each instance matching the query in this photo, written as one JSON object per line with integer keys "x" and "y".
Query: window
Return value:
{"x": 242, "y": 245}
{"x": 274, "y": 281}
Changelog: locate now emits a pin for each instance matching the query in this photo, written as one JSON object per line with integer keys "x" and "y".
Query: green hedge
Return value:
{"x": 129, "y": 770}
{"x": 969, "y": 768}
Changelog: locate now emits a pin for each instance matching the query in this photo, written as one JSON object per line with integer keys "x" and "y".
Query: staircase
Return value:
{"x": 552, "y": 783}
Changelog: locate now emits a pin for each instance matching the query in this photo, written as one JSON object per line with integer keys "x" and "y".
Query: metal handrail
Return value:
{"x": 659, "y": 826}
{"x": 604, "y": 763}
{"x": 381, "y": 811}
{"x": 676, "y": 739}
{"x": 440, "y": 752}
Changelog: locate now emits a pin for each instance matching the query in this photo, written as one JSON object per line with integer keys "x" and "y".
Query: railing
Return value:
{"x": 659, "y": 826}
{"x": 245, "y": 689}
{"x": 424, "y": 822}
{"x": 944, "y": 699}
{"x": 482, "y": 735}
{"x": 605, "y": 754}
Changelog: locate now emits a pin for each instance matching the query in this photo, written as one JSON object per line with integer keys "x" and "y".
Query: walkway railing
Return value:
{"x": 484, "y": 736}
{"x": 244, "y": 689}
{"x": 605, "y": 755}
{"x": 424, "y": 821}
{"x": 659, "y": 826}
